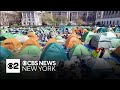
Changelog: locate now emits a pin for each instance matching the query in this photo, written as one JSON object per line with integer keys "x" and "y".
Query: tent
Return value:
{"x": 32, "y": 36}
{"x": 22, "y": 38}
{"x": 16, "y": 35}
{"x": 2, "y": 38}
{"x": 4, "y": 53}
{"x": 53, "y": 52}
{"x": 31, "y": 42}
{"x": 51, "y": 40}
{"x": 115, "y": 43}
{"x": 117, "y": 51}
{"x": 71, "y": 41}
{"x": 110, "y": 35}
{"x": 11, "y": 44}
{"x": 87, "y": 36}
{"x": 7, "y": 35}
{"x": 98, "y": 41}
{"x": 116, "y": 30}
{"x": 31, "y": 50}
{"x": 59, "y": 38}
{"x": 101, "y": 64}
{"x": 102, "y": 30}
{"x": 79, "y": 50}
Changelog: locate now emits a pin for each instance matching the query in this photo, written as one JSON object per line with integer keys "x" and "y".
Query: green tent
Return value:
{"x": 59, "y": 38}
{"x": 87, "y": 36}
{"x": 79, "y": 50}
{"x": 31, "y": 50}
{"x": 53, "y": 52}
{"x": 115, "y": 43}
{"x": 4, "y": 53}
{"x": 7, "y": 35}
{"x": 16, "y": 35}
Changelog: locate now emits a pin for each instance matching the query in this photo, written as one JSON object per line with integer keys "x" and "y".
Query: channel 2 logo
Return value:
{"x": 12, "y": 65}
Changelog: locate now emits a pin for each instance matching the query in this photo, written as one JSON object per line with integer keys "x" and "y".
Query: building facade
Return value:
{"x": 73, "y": 16}
{"x": 8, "y": 18}
{"x": 30, "y": 18}
{"x": 108, "y": 18}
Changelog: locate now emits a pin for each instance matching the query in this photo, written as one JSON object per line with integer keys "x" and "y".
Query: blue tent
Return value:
{"x": 102, "y": 30}
{"x": 4, "y": 53}
{"x": 117, "y": 30}
{"x": 53, "y": 52}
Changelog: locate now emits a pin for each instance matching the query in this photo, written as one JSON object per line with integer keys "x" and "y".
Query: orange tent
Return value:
{"x": 51, "y": 40}
{"x": 75, "y": 30}
{"x": 85, "y": 30}
{"x": 71, "y": 41}
{"x": 94, "y": 31}
{"x": 32, "y": 35}
{"x": 31, "y": 42}
{"x": 117, "y": 51}
{"x": 11, "y": 44}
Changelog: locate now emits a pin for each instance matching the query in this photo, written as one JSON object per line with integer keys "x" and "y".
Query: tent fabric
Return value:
{"x": 98, "y": 41}
{"x": 71, "y": 41}
{"x": 59, "y": 38}
{"x": 51, "y": 40}
{"x": 110, "y": 35}
{"x": 31, "y": 42}
{"x": 87, "y": 36}
{"x": 11, "y": 44}
{"x": 53, "y": 52}
{"x": 79, "y": 50}
{"x": 94, "y": 54}
{"x": 31, "y": 50}
{"x": 117, "y": 51}
{"x": 7, "y": 35}
{"x": 117, "y": 30}
{"x": 102, "y": 30}
{"x": 101, "y": 64}
{"x": 22, "y": 38}
{"x": 115, "y": 43}
{"x": 32, "y": 36}
{"x": 4, "y": 53}
{"x": 2, "y": 38}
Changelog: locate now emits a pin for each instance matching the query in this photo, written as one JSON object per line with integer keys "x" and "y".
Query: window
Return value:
{"x": 107, "y": 22}
{"x": 113, "y": 22}
{"x": 117, "y": 22}
{"x": 110, "y": 22}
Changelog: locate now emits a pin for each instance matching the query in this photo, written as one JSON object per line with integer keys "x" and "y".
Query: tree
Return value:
{"x": 80, "y": 22}
{"x": 47, "y": 18}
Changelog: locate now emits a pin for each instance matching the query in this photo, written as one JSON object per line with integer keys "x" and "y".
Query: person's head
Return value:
{"x": 97, "y": 50}
{"x": 102, "y": 48}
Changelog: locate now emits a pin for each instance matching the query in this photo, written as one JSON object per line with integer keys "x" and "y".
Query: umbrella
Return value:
{"x": 22, "y": 38}
{"x": 31, "y": 50}
{"x": 4, "y": 53}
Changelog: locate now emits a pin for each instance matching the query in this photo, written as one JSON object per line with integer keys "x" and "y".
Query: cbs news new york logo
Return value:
{"x": 12, "y": 65}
